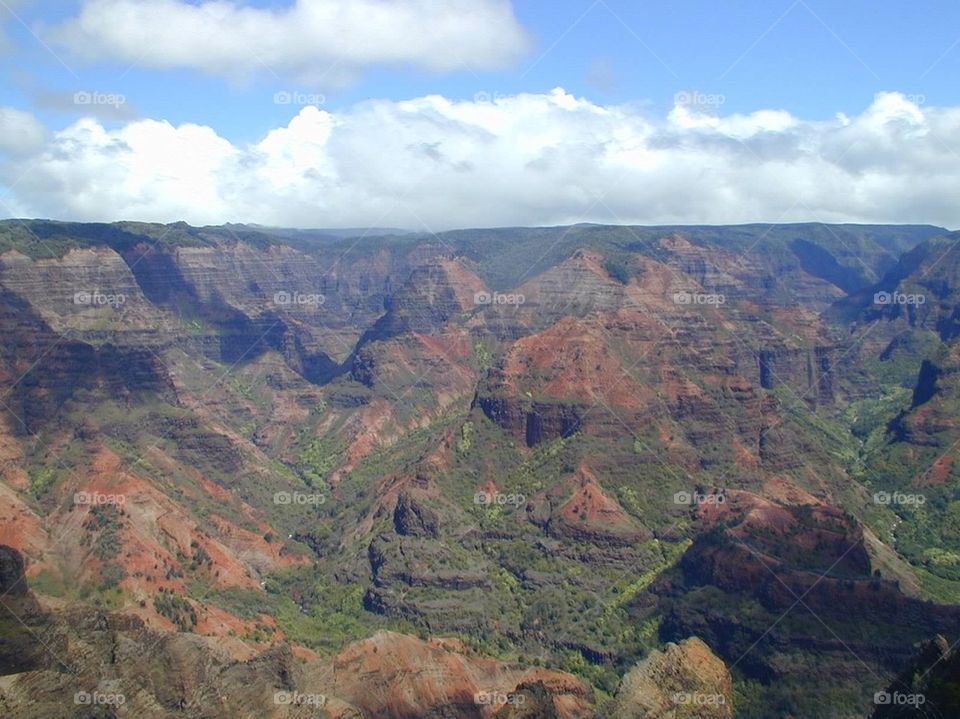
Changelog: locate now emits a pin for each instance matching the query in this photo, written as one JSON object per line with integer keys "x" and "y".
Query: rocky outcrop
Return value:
{"x": 579, "y": 510}
{"x": 931, "y": 419}
{"x": 13, "y": 583}
{"x": 393, "y": 676}
{"x": 684, "y": 679}
{"x": 26, "y": 642}
{"x": 766, "y": 554}
{"x": 436, "y": 292}
{"x": 413, "y": 518}
{"x": 111, "y": 662}
{"x": 43, "y": 368}
{"x": 412, "y": 561}
{"x": 535, "y": 422}
{"x": 928, "y": 686}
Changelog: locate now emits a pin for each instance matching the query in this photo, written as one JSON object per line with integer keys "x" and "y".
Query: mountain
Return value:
{"x": 914, "y": 352}
{"x": 512, "y": 472}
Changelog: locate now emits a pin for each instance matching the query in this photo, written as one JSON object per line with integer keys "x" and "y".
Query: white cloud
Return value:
{"x": 528, "y": 159}
{"x": 316, "y": 40}
{"x": 20, "y": 132}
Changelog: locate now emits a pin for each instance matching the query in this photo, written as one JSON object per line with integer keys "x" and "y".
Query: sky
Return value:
{"x": 437, "y": 114}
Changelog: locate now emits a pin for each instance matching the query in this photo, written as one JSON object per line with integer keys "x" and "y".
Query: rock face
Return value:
{"x": 413, "y": 518}
{"x": 241, "y": 300}
{"x": 61, "y": 364}
{"x": 579, "y": 510}
{"x": 111, "y": 663}
{"x": 13, "y": 583}
{"x": 393, "y": 676}
{"x": 645, "y": 347}
{"x": 684, "y": 679}
{"x": 25, "y": 644}
{"x": 931, "y": 418}
{"x": 435, "y": 293}
{"x": 389, "y": 676}
{"x": 929, "y": 686}
{"x": 765, "y": 554}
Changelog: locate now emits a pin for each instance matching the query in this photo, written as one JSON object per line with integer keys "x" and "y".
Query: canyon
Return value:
{"x": 523, "y": 472}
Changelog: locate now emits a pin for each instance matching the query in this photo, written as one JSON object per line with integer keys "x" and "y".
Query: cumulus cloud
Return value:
{"x": 316, "y": 40}
{"x": 20, "y": 132}
{"x": 529, "y": 159}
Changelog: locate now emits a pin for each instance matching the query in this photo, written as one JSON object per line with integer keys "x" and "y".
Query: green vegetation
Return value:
{"x": 111, "y": 574}
{"x": 617, "y": 268}
{"x": 104, "y": 522}
{"x": 319, "y": 458}
{"x": 900, "y": 365}
{"x": 44, "y": 239}
{"x": 175, "y": 608}
{"x": 199, "y": 558}
{"x": 42, "y": 480}
{"x": 484, "y": 357}
{"x": 51, "y": 583}
{"x": 829, "y": 433}
{"x": 868, "y": 418}
{"x": 603, "y": 677}
{"x": 630, "y": 588}
{"x": 330, "y": 614}
{"x": 466, "y": 438}
{"x": 242, "y": 602}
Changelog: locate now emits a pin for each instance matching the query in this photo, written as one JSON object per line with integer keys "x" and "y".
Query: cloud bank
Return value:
{"x": 316, "y": 40}
{"x": 530, "y": 159}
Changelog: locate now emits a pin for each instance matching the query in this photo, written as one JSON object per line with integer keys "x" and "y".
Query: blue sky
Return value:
{"x": 813, "y": 58}
{"x": 816, "y": 60}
